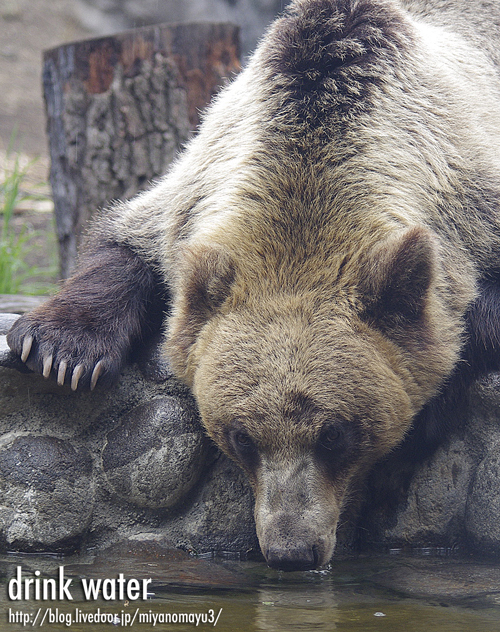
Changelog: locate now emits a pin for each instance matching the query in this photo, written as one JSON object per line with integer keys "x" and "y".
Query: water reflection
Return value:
{"x": 309, "y": 608}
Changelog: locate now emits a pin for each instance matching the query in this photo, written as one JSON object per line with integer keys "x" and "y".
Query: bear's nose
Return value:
{"x": 302, "y": 557}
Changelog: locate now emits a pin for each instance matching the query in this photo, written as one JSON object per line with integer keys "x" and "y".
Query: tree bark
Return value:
{"x": 120, "y": 107}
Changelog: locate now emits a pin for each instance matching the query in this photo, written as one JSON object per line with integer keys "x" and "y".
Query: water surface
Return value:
{"x": 389, "y": 592}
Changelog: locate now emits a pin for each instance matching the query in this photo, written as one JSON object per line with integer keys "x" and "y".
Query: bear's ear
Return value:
{"x": 396, "y": 277}
{"x": 207, "y": 275}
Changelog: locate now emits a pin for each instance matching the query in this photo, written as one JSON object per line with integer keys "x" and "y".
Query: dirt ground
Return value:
{"x": 27, "y": 27}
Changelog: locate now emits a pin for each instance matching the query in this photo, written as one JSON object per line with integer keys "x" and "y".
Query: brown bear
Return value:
{"x": 328, "y": 247}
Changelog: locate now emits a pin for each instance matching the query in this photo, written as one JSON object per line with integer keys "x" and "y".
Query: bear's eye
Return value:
{"x": 336, "y": 447}
{"x": 242, "y": 440}
{"x": 329, "y": 438}
{"x": 243, "y": 446}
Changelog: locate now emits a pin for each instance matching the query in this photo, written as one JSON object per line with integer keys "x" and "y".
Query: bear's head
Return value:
{"x": 305, "y": 390}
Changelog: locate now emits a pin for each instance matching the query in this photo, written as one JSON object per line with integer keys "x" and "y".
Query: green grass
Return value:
{"x": 16, "y": 275}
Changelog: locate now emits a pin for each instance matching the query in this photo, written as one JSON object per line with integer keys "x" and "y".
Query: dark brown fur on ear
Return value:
{"x": 208, "y": 275}
{"x": 209, "y": 279}
{"x": 397, "y": 277}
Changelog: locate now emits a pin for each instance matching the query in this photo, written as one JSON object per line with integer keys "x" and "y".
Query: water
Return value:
{"x": 390, "y": 593}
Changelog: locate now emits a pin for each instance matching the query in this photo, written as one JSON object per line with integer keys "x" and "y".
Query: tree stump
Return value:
{"x": 120, "y": 107}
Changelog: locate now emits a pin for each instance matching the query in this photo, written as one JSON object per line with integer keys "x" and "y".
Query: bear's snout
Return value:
{"x": 302, "y": 557}
{"x": 296, "y": 514}
{"x": 288, "y": 546}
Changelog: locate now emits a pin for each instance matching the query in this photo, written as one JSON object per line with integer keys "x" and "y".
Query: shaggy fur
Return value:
{"x": 330, "y": 245}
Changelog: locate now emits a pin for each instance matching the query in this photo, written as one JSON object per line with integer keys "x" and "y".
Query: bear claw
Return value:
{"x": 27, "y": 344}
{"x": 95, "y": 374}
{"x": 61, "y": 373}
{"x": 47, "y": 366}
{"x": 77, "y": 374}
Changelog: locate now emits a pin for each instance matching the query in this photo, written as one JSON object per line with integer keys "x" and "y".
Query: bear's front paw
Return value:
{"x": 65, "y": 352}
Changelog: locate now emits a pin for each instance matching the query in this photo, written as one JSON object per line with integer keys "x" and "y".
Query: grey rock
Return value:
{"x": 6, "y": 322}
{"x": 46, "y": 492}
{"x": 446, "y": 578}
{"x": 449, "y": 499}
{"x": 483, "y": 504}
{"x": 434, "y": 509}
{"x": 7, "y": 358}
{"x": 157, "y": 453}
{"x": 18, "y": 304}
{"x": 219, "y": 513}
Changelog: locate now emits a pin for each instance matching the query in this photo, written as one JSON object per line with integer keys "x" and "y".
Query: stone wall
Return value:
{"x": 451, "y": 498}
